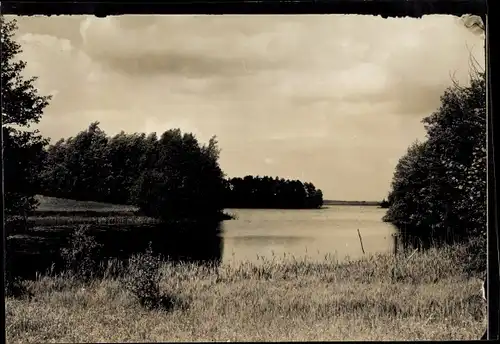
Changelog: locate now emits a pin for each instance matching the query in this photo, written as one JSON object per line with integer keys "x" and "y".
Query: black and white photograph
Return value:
{"x": 180, "y": 178}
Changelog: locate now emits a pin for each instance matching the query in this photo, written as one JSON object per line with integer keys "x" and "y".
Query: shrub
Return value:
{"x": 472, "y": 256}
{"x": 81, "y": 253}
{"x": 13, "y": 286}
{"x": 143, "y": 281}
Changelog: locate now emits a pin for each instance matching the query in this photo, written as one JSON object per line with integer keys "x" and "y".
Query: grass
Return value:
{"x": 53, "y": 210}
{"x": 65, "y": 205}
{"x": 422, "y": 297}
{"x": 416, "y": 296}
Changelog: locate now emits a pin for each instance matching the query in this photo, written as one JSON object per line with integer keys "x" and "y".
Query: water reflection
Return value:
{"x": 255, "y": 233}
{"x": 188, "y": 242}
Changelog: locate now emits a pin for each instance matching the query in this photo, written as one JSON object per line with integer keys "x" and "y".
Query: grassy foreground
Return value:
{"x": 425, "y": 297}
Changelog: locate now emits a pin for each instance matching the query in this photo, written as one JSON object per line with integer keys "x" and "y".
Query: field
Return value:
{"x": 425, "y": 298}
{"x": 52, "y": 207}
{"x": 414, "y": 296}
{"x": 65, "y": 205}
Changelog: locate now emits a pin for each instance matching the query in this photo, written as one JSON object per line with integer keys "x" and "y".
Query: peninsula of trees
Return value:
{"x": 267, "y": 192}
{"x": 137, "y": 168}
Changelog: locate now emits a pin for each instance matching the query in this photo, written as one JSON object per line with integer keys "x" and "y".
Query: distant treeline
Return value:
{"x": 350, "y": 203}
{"x": 268, "y": 192}
{"x": 173, "y": 175}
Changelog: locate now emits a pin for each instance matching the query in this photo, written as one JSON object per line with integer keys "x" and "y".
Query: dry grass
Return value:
{"x": 425, "y": 297}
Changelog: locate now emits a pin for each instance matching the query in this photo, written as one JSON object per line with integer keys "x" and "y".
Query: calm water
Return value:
{"x": 256, "y": 232}
{"x": 301, "y": 233}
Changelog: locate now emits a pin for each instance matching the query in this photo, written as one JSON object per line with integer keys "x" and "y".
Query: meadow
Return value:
{"x": 412, "y": 296}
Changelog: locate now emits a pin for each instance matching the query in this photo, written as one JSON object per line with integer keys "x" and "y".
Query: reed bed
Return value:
{"x": 411, "y": 296}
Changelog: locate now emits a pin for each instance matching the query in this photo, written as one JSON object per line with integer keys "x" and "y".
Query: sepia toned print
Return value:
{"x": 236, "y": 178}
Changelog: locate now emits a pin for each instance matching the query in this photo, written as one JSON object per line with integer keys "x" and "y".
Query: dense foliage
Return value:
{"x": 170, "y": 177}
{"x": 267, "y": 192}
{"x": 21, "y": 107}
{"x": 439, "y": 187}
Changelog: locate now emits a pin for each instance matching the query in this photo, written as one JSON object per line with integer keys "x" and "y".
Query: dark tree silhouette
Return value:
{"x": 266, "y": 192}
{"x": 21, "y": 107}
{"x": 171, "y": 177}
{"x": 439, "y": 187}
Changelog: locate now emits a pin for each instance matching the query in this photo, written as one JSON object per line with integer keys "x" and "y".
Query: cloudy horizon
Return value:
{"x": 331, "y": 99}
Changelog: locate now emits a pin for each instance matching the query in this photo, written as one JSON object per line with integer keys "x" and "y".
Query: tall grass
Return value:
{"x": 412, "y": 296}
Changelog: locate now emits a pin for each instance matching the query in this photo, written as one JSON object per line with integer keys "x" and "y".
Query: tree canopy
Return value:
{"x": 169, "y": 177}
{"x": 439, "y": 187}
{"x": 267, "y": 192}
{"x": 22, "y": 107}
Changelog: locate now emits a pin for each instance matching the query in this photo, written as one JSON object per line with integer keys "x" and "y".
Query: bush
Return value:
{"x": 473, "y": 257}
{"x": 80, "y": 256}
{"x": 13, "y": 286}
{"x": 143, "y": 281}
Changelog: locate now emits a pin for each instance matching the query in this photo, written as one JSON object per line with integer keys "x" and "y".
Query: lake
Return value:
{"x": 268, "y": 233}
{"x": 311, "y": 233}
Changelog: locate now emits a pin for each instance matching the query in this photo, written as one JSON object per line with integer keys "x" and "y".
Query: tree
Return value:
{"x": 182, "y": 181}
{"x": 56, "y": 176}
{"x": 21, "y": 107}
{"x": 126, "y": 156}
{"x": 439, "y": 187}
{"x": 79, "y": 168}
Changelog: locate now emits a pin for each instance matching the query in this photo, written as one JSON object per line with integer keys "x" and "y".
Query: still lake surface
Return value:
{"x": 311, "y": 233}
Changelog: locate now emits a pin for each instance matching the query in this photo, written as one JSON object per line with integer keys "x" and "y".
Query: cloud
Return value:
{"x": 269, "y": 161}
{"x": 332, "y": 99}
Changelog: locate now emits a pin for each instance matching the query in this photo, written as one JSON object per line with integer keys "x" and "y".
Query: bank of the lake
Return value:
{"x": 425, "y": 297}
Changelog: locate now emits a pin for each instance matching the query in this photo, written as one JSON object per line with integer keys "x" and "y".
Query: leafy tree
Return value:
{"x": 21, "y": 107}
{"x": 78, "y": 168}
{"x": 439, "y": 187}
{"x": 183, "y": 181}
{"x": 56, "y": 175}
{"x": 126, "y": 156}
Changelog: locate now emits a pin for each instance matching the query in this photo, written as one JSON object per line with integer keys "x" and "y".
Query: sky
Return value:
{"x": 331, "y": 99}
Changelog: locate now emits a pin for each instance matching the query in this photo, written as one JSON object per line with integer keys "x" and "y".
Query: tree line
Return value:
{"x": 170, "y": 176}
{"x": 131, "y": 168}
{"x": 267, "y": 192}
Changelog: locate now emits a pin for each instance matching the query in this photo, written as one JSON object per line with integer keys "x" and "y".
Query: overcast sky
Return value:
{"x": 331, "y": 99}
